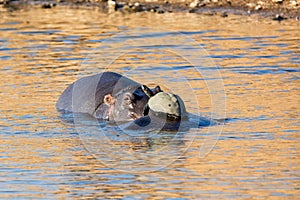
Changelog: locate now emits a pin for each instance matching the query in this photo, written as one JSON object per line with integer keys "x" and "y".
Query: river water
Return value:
{"x": 241, "y": 70}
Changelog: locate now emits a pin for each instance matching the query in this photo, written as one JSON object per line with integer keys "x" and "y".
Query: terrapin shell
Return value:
{"x": 164, "y": 102}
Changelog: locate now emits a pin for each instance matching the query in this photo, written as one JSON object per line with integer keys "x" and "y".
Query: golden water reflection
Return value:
{"x": 257, "y": 155}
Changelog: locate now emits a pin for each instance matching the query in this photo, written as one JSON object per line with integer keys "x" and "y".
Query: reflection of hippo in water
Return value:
{"x": 106, "y": 95}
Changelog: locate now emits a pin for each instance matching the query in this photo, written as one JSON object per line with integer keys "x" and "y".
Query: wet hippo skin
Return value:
{"x": 94, "y": 94}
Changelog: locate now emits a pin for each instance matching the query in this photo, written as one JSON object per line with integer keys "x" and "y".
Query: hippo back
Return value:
{"x": 87, "y": 94}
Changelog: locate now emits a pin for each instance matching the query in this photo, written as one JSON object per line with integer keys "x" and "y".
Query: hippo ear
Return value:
{"x": 108, "y": 99}
{"x": 147, "y": 91}
{"x": 156, "y": 90}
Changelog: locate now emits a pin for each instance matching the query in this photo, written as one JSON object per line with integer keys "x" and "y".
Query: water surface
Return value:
{"x": 257, "y": 153}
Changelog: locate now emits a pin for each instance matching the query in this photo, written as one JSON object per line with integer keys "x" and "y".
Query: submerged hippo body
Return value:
{"x": 107, "y": 95}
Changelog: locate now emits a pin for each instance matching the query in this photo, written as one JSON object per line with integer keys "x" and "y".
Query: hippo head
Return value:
{"x": 128, "y": 104}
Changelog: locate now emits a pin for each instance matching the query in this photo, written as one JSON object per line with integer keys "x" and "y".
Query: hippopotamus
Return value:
{"x": 108, "y": 95}
{"x": 113, "y": 97}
